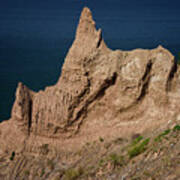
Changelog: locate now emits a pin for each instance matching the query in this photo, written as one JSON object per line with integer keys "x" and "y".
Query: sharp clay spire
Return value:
{"x": 86, "y": 14}
{"x": 87, "y": 37}
{"x": 86, "y": 23}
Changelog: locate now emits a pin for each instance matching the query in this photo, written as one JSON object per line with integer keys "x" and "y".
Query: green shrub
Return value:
{"x": 166, "y": 132}
{"x": 138, "y": 148}
{"x": 137, "y": 140}
{"x": 176, "y": 128}
{"x": 42, "y": 172}
{"x": 158, "y": 138}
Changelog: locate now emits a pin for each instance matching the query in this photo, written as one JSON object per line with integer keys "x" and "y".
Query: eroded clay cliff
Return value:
{"x": 100, "y": 93}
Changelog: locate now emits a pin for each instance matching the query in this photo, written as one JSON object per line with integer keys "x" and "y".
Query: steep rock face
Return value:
{"x": 22, "y": 108}
{"x": 99, "y": 93}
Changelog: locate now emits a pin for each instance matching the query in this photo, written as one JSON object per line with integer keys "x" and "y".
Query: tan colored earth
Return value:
{"x": 100, "y": 93}
{"x": 112, "y": 115}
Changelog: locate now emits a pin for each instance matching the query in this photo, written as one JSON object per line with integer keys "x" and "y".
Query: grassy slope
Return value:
{"x": 155, "y": 156}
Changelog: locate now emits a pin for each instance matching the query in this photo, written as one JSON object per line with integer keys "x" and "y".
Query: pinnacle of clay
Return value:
{"x": 86, "y": 14}
{"x": 87, "y": 39}
{"x": 86, "y": 23}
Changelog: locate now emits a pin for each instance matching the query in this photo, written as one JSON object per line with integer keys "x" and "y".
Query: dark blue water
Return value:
{"x": 35, "y": 36}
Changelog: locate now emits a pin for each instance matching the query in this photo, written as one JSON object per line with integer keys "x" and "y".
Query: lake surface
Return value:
{"x": 35, "y": 36}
